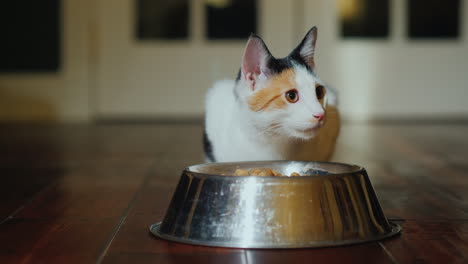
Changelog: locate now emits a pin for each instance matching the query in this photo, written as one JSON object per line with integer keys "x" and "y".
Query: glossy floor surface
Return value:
{"x": 87, "y": 194}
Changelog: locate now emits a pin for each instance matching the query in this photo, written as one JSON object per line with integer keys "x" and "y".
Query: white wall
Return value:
{"x": 380, "y": 79}
{"x": 393, "y": 78}
{"x": 377, "y": 78}
{"x": 168, "y": 79}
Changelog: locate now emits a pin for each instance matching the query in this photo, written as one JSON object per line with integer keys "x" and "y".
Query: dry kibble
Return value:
{"x": 255, "y": 172}
{"x": 241, "y": 172}
{"x": 268, "y": 171}
{"x": 275, "y": 173}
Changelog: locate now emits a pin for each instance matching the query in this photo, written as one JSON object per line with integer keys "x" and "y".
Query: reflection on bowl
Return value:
{"x": 337, "y": 206}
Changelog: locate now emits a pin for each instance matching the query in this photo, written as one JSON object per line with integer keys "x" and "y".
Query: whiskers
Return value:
{"x": 272, "y": 129}
{"x": 299, "y": 129}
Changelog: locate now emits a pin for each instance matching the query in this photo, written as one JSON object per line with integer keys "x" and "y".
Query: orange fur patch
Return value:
{"x": 272, "y": 96}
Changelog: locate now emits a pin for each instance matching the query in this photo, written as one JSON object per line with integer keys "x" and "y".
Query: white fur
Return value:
{"x": 240, "y": 134}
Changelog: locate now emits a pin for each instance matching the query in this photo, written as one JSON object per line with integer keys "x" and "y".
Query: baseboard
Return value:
{"x": 182, "y": 119}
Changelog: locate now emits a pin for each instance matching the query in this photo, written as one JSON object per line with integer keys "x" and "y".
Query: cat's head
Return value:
{"x": 284, "y": 96}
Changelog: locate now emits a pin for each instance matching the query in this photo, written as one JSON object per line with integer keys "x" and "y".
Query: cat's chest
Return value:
{"x": 239, "y": 148}
{"x": 244, "y": 149}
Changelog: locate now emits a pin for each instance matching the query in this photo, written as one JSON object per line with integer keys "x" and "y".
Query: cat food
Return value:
{"x": 241, "y": 172}
{"x": 260, "y": 172}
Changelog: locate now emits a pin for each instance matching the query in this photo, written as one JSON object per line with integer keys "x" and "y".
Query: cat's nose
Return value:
{"x": 319, "y": 116}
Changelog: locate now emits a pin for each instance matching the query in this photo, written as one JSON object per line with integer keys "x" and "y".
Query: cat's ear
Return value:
{"x": 306, "y": 49}
{"x": 254, "y": 61}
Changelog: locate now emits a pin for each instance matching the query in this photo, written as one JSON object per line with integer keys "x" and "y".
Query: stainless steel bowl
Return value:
{"x": 338, "y": 206}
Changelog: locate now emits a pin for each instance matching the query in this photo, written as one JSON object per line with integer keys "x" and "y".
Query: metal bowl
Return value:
{"x": 337, "y": 206}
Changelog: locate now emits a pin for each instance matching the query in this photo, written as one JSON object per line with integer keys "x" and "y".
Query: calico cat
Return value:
{"x": 276, "y": 109}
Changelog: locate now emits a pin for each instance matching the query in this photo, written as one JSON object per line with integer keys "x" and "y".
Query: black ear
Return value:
{"x": 255, "y": 59}
{"x": 306, "y": 48}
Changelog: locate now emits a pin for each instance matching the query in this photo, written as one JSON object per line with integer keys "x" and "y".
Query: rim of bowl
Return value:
{"x": 355, "y": 169}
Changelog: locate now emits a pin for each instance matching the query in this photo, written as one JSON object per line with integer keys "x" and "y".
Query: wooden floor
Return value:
{"x": 86, "y": 194}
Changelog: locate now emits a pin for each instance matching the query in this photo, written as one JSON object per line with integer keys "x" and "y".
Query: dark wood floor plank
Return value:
{"x": 134, "y": 240}
{"x": 430, "y": 242}
{"x": 72, "y": 220}
{"x": 21, "y": 185}
{"x": 418, "y": 195}
{"x": 150, "y": 207}
{"x": 77, "y": 185}
{"x": 134, "y": 236}
{"x": 364, "y": 253}
{"x": 408, "y": 190}
{"x": 72, "y": 145}
{"x": 79, "y": 212}
{"x": 450, "y": 140}
{"x": 57, "y": 241}
{"x": 195, "y": 258}
{"x": 416, "y": 203}
{"x": 363, "y": 144}
{"x": 421, "y": 175}
{"x": 437, "y": 148}
{"x": 90, "y": 193}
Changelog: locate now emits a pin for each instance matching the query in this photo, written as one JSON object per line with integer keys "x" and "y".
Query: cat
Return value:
{"x": 276, "y": 109}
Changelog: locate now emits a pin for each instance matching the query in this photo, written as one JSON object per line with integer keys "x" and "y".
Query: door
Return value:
{"x": 393, "y": 77}
{"x": 164, "y": 78}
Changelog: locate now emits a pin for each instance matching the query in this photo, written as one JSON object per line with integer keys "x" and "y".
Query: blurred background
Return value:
{"x": 134, "y": 60}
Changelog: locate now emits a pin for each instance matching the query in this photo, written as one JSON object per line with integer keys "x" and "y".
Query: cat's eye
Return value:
{"x": 292, "y": 96}
{"x": 320, "y": 91}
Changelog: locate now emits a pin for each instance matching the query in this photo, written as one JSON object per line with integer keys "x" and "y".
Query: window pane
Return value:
{"x": 230, "y": 19}
{"x": 162, "y": 19}
{"x": 30, "y": 40}
{"x": 364, "y": 18}
{"x": 433, "y": 18}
